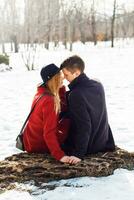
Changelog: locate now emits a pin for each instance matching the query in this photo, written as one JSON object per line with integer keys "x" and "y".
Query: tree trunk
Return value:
{"x": 65, "y": 36}
{"x": 71, "y": 46}
{"x": 12, "y": 49}
{"x": 72, "y": 36}
{"x": 113, "y": 24}
{"x": 93, "y": 23}
{"x": 16, "y": 47}
{"x": 3, "y": 48}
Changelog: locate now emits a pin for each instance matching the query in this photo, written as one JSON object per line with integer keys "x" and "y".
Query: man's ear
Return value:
{"x": 77, "y": 73}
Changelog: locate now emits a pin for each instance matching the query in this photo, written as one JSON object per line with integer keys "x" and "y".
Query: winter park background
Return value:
{"x": 114, "y": 67}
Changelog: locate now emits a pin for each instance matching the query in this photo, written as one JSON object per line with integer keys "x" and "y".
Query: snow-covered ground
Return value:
{"x": 115, "y": 69}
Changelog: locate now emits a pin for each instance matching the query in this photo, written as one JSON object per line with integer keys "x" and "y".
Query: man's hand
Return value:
{"x": 70, "y": 159}
{"x": 65, "y": 159}
{"x": 74, "y": 160}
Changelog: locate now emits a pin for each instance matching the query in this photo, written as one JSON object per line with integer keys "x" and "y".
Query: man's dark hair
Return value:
{"x": 72, "y": 63}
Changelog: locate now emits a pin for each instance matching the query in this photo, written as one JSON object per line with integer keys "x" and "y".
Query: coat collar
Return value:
{"x": 42, "y": 89}
{"x": 81, "y": 80}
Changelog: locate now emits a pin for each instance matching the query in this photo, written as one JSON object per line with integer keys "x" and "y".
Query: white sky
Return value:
{"x": 128, "y": 4}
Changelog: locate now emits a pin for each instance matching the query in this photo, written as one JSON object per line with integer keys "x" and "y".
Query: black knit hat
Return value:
{"x": 48, "y": 72}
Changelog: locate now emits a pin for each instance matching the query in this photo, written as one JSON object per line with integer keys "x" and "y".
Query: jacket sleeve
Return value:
{"x": 50, "y": 129}
{"x": 82, "y": 122}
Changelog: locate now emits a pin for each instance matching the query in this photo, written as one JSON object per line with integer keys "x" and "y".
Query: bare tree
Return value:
{"x": 69, "y": 17}
{"x": 56, "y": 25}
{"x": 106, "y": 22}
{"x": 3, "y": 25}
{"x": 14, "y": 24}
{"x": 126, "y": 22}
{"x": 30, "y": 22}
{"x": 93, "y": 22}
{"x": 113, "y": 22}
{"x": 65, "y": 22}
{"x": 44, "y": 21}
{"x": 28, "y": 58}
{"x": 81, "y": 16}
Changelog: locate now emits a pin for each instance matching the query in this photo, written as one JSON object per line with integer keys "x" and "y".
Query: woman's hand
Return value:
{"x": 70, "y": 159}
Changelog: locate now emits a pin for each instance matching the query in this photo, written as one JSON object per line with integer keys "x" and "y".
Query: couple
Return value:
{"x": 72, "y": 124}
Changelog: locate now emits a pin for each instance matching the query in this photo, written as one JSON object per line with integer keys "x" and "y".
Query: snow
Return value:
{"x": 114, "y": 67}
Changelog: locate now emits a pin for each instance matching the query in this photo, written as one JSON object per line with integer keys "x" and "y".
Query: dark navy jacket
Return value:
{"x": 90, "y": 131}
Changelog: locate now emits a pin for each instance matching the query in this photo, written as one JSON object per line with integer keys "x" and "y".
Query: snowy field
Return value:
{"x": 115, "y": 69}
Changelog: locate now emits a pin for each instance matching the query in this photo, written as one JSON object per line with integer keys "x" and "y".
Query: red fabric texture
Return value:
{"x": 44, "y": 132}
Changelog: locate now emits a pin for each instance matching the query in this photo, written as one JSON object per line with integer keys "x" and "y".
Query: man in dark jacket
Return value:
{"x": 89, "y": 131}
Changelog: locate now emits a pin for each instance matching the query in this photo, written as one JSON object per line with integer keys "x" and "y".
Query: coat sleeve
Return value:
{"x": 50, "y": 129}
{"x": 82, "y": 122}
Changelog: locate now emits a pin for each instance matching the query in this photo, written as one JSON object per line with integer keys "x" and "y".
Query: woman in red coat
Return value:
{"x": 44, "y": 131}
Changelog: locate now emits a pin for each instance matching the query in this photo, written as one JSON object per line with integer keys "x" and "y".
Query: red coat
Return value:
{"x": 44, "y": 132}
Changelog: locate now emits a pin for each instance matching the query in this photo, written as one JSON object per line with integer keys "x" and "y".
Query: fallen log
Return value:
{"x": 42, "y": 168}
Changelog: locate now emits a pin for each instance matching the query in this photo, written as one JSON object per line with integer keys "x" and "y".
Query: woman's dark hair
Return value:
{"x": 72, "y": 63}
